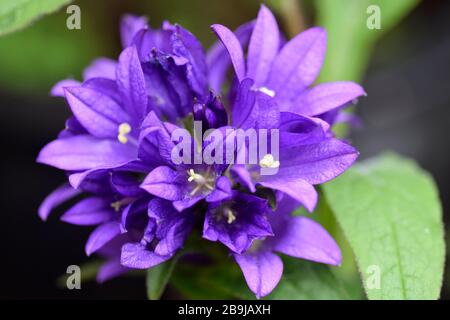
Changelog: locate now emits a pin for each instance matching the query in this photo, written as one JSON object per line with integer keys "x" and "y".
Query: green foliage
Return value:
{"x": 390, "y": 212}
{"x": 158, "y": 277}
{"x": 34, "y": 59}
{"x": 305, "y": 280}
{"x": 16, "y": 14}
{"x": 350, "y": 42}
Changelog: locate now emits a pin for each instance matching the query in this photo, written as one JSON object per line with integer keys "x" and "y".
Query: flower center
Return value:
{"x": 123, "y": 131}
{"x": 268, "y": 161}
{"x": 202, "y": 181}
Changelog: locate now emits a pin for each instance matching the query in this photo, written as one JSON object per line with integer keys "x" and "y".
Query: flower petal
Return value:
{"x": 103, "y": 234}
{"x": 131, "y": 83}
{"x": 135, "y": 255}
{"x": 90, "y": 211}
{"x": 221, "y": 191}
{"x": 186, "y": 45}
{"x": 297, "y": 188}
{"x": 110, "y": 269}
{"x": 315, "y": 162}
{"x": 298, "y": 64}
{"x": 129, "y": 26}
{"x": 233, "y": 47}
{"x": 165, "y": 183}
{"x": 58, "y": 88}
{"x": 262, "y": 271}
{"x": 325, "y": 97}
{"x": 101, "y": 68}
{"x": 218, "y": 59}
{"x": 304, "y": 238}
{"x": 243, "y": 114}
{"x": 98, "y": 113}
{"x": 54, "y": 199}
{"x": 263, "y": 47}
{"x": 84, "y": 152}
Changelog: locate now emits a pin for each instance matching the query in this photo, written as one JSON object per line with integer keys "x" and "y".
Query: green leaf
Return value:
{"x": 305, "y": 280}
{"x": 350, "y": 41}
{"x": 158, "y": 277}
{"x": 219, "y": 280}
{"x": 390, "y": 213}
{"x": 16, "y": 14}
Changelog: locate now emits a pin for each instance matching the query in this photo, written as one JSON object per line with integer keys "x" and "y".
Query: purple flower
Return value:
{"x": 308, "y": 153}
{"x": 145, "y": 195}
{"x": 237, "y": 221}
{"x": 285, "y": 71}
{"x": 164, "y": 234}
{"x": 298, "y": 237}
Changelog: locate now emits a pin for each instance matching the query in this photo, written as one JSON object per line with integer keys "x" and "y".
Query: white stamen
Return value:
{"x": 198, "y": 178}
{"x": 230, "y": 216}
{"x": 123, "y": 131}
{"x": 267, "y": 91}
{"x": 269, "y": 162}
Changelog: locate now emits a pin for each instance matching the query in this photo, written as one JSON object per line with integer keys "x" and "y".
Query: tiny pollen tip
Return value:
{"x": 230, "y": 216}
{"x": 124, "y": 129}
{"x": 269, "y": 162}
{"x": 267, "y": 91}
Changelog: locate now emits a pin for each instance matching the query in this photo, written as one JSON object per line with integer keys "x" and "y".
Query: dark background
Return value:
{"x": 407, "y": 110}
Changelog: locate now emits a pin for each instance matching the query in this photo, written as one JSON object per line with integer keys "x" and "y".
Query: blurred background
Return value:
{"x": 407, "y": 110}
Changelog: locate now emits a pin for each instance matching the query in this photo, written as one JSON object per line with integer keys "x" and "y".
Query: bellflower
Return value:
{"x": 128, "y": 146}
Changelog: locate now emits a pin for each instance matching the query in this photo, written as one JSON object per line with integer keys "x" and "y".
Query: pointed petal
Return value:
{"x": 135, "y": 255}
{"x": 298, "y": 189}
{"x": 109, "y": 270}
{"x": 131, "y": 83}
{"x": 54, "y": 199}
{"x": 222, "y": 190}
{"x": 304, "y": 238}
{"x": 58, "y": 88}
{"x": 101, "y": 236}
{"x": 262, "y": 271}
{"x": 233, "y": 47}
{"x": 243, "y": 114}
{"x": 101, "y": 68}
{"x": 316, "y": 162}
{"x": 126, "y": 184}
{"x": 98, "y": 113}
{"x": 298, "y": 64}
{"x": 104, "y": 86}
{"x": 243, "y": 174}
{"x": 129, "y": 26}
{"x": 90, "y": 211}
{"x": 263, "y": 47}
{"x": 83, "y": 152}
{"x": 186, "y": 45}
{"x": 186, "y": 203}
{"x": 218, "y": 59}
{"x": 325, "y": 97}
{"x": 165, "y": 183}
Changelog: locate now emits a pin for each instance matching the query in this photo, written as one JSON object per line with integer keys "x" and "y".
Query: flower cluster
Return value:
{"x": 117, "y": 147}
